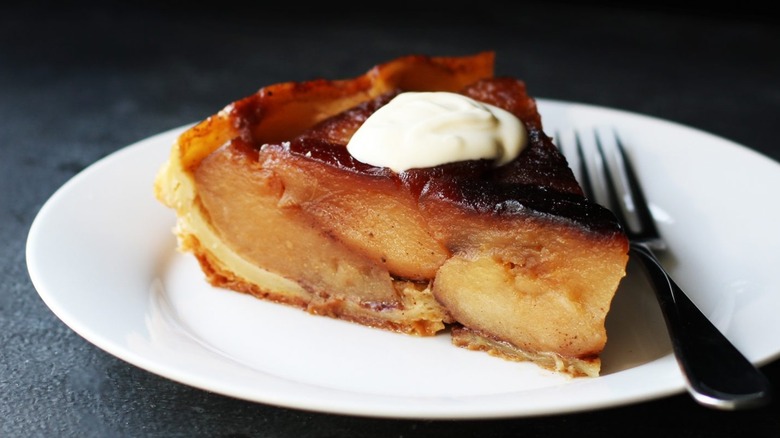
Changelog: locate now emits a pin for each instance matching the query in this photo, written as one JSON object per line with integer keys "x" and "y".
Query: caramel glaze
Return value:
{"x": 538, "y": 182}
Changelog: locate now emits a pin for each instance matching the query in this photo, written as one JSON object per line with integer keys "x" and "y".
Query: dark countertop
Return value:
{"x": 78, "y": 84}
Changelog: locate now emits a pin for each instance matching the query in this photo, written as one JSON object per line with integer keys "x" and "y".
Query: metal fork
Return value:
{"x": 717, "y": 375}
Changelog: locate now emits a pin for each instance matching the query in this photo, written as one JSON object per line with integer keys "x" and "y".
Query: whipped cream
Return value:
{"x": 430, "y": 128}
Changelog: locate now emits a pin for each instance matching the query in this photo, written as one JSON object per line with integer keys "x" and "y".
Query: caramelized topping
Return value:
{"x": 538, "y": 180}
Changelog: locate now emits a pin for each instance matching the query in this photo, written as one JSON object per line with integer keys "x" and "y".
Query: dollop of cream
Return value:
{"x": 426, "y": 129}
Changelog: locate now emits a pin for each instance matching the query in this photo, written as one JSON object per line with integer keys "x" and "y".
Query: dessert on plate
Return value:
{"x": 422, "y": 197}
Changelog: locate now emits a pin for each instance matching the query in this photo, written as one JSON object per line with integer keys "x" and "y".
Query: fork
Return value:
{"x": 717, "y": 375}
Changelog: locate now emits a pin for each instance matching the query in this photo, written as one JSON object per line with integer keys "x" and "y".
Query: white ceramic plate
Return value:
{"x": 102, "y": 255}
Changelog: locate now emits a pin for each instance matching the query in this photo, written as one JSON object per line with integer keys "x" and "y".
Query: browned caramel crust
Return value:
{"x": 538, "y": 182}
{"x": 282, "y": 111}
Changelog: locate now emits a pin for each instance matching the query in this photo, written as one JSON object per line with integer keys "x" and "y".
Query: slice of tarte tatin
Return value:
{"x": 510, "y": 256}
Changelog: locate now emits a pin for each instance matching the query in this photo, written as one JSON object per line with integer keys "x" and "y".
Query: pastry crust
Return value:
{"x": 514, "y": 258}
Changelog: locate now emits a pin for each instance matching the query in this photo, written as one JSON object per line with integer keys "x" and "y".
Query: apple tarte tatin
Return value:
{"x": 421, "y": 195}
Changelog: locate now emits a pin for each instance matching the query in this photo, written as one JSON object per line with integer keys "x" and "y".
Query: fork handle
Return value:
{"x": 716, "y": 373}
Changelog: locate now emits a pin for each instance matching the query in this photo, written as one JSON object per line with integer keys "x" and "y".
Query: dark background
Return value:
{"x": 79, "y": 82}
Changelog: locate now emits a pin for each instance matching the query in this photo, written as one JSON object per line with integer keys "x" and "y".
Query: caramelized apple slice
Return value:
{"x": 245, "y": 202}
{"x": 539, "y": 289}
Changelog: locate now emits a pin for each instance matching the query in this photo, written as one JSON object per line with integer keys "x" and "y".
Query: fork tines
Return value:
{"x": 614, "y": 184}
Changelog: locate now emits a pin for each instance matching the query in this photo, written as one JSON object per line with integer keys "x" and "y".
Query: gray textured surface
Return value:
{"x": 79, "y": 84}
